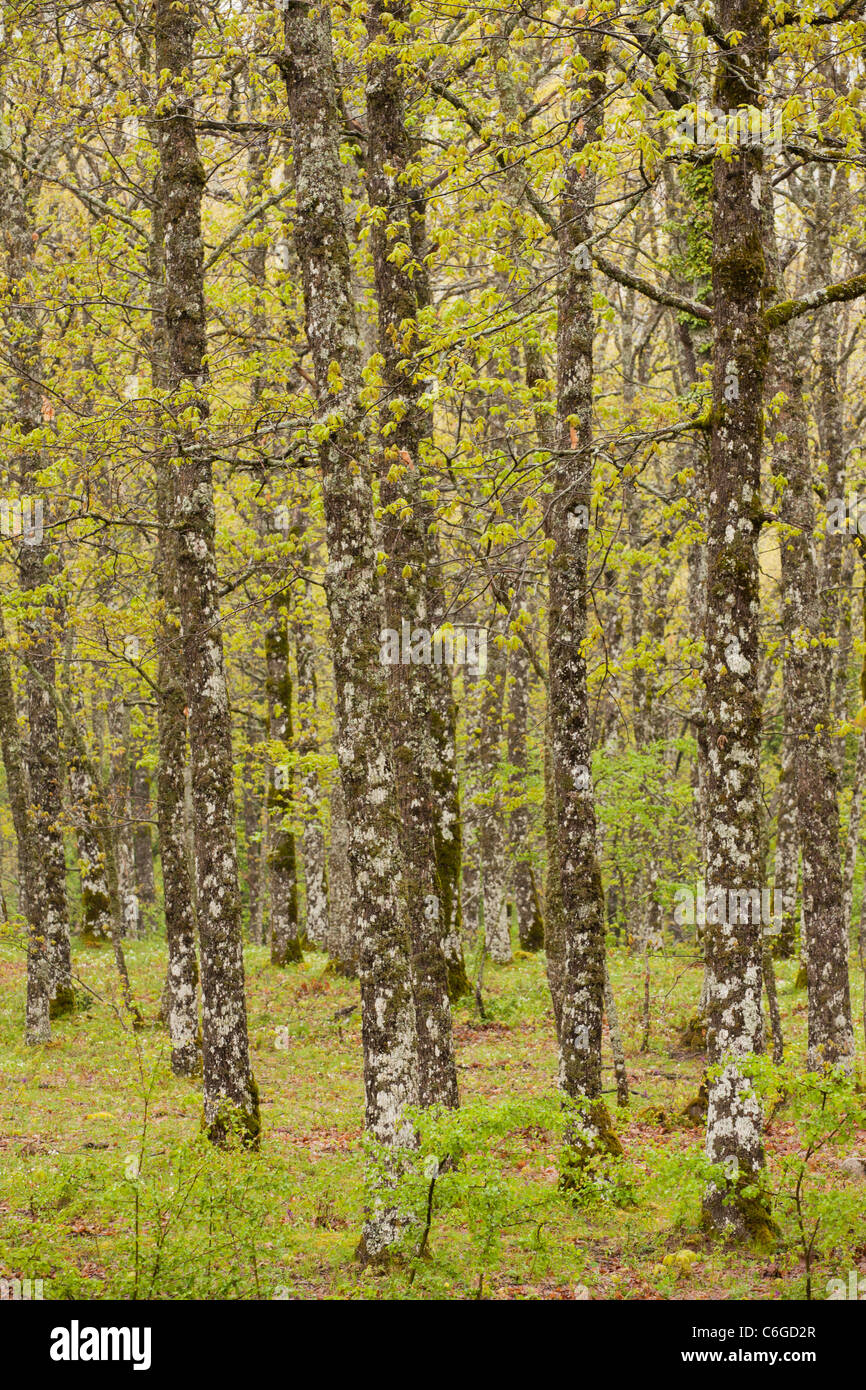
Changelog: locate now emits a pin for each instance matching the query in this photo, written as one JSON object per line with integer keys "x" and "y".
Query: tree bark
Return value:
{"x": 580, "y": 895}
{"x": 282, "y": 863}
{"x": 38, "y": 570}
{"x": 230, "y": 1093}
{"x": 181, "y": 994}
{"x": 355, "y": 605}
{"x": 616, "y": 1043}
{"x": 253, "y": 832}
{"x": 37, "y": 1025}
{"x": 732, "y": 733}
{"x": 808, "y": 696}
{"x": 786, "y": 871}
{"x": 313, "y": 834}
{"x": 491, "y": 834}
{"x": 95, "y": 893}
{"x": 142, "y": 845}
{"x": 530, "y": 924}
{"x": 342, "y": 941}
{"x": 119, "y": 733}
{"x": 406, "y": 525}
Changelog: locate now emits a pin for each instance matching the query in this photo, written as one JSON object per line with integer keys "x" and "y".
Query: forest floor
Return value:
{"x": 108, "y": 1190}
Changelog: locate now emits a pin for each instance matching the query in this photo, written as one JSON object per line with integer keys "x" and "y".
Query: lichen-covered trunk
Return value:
{"x": 806, "y": 620}
{"x": 835, "y": 560}
{"x": 554, "y": 939}
{"x": 182, "y": 977}
{"x": 580, "y": 899}
{"x": 40, "y": 631}
{"x": 355, "y": 605}
{"x": 448, "y": 820}
{"x": 282, "y": 863}
{"x": 37, "y": 1023}
{"x": 102, "y": 821}
{"x": 852, "y": 837}
{"x": 119, "y": 730}
{"x": 732, "y": 732}
{"x": 39, "y": 578}
{"x": 786, "y": 869}
{"x": 530, "y": 924}
{"x": 230, "y": 1095}
{"x": 491, "y": 826}
{"x": 554, "y": 927}
{"x": 443, "y": 773}
{"x": 313, "y": 834}
{"x": 406, "y": 526}
{"x": 342, "y": 939}
{"x": 252, "y": 817}
{"x": 142, "y": 845}
{"x": 95, "y": 893}
{"x": 616, "y": 1043}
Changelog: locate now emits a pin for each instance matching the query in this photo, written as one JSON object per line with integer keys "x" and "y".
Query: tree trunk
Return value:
{"x": 786, "y": 870}
{"x": 119, "y": 733}
{"x": 142, "y": 845}
{"x": 38, "y": 566}
{"x": 530, "y": 925}
{"x": 342, "y": 942}
{"x": 230, "y": 1094}
{"x": 852, "y": 838}
{"x": 580, "y": 895}
{"x": 406, "y": 525}
{"x": 182, "y": 977}
{"x": 616, "y": 1044}
{"x": 313, "y": 835}
{"x": 491, "y": 836}
{"x": 282, "y": 867}
{"x": 732, "y": 733}
{"x": 355, "y": 604}
{"x": 554, "y": 927}
{"x": 37, "y": 1025}
{"x": 95, "y": 894}
{"x": 808, "y": 696}
{"x": 252, "y": 814}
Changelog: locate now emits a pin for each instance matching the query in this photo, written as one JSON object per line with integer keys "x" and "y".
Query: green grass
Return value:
{"x": 108, "y": 1190}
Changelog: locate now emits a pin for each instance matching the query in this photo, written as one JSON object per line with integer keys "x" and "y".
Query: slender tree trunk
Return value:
{"x": 119, "y": 732}
{"x": 581, "y": 899}
{"x": 554, "y": 926}
{"x": 406, "y": 526}
{"x": 313, "y": 835}
{"x": 282, "y": 865}
{"x": 808, "y": 695}
{"x": 252, "y": 814}
{"x": 530, "y": 925}
{"x": 95, "y": 894}
{"x": 356, "y": 609}
{"x": 616, "y": 1043}
{"x": 39, "y": 577}
{"x": 443, "y": 771}
{"x": 342, "y": 942}
{"x": 491, "y": 837}
{"x": 142, "y": 845}
{"x": 230, "y": 1094}
{"x": 37, "y": 1026}
{"x": 180, "y": 926}
{"x": 852, "y": 838}
{"x": 182, "y": 978}
{"x": 786, "y": 871}
{"x": 732, "y": 733}
{"x": 773, "y": 1007}
{"x": 104, "y": 827}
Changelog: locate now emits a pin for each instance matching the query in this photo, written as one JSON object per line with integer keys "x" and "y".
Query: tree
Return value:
{"x": 230, "y": 1095}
